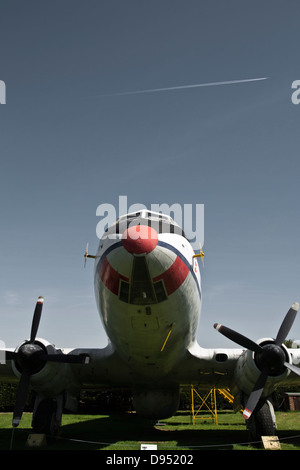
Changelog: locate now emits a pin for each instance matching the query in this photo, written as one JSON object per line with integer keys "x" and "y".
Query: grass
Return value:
{"x": 127, "y": 431}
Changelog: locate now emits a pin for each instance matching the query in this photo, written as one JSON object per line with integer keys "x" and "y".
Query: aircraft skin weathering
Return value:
{"x": 148, "y": 292}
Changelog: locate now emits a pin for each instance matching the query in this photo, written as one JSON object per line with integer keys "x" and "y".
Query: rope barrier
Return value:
{"x": 191, "y": 447}
{"x": 161, "y": 446}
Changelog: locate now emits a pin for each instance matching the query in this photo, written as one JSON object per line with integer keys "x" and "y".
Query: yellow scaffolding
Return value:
{"x": 208, "y": 402}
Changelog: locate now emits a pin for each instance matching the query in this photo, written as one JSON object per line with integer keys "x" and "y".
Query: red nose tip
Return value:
{"x": 140, "y": 239}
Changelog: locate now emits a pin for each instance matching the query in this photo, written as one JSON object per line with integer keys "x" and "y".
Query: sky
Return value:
{"x": 75, "y": 135}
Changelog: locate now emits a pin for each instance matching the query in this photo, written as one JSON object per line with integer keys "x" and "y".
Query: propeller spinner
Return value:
{"x": 270, "y": 357}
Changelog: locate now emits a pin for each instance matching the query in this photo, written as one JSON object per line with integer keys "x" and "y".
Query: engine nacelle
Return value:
{"x": 50, "y": 378}
{"x": 247, "y": 372}
{"x": 156, "y": 404}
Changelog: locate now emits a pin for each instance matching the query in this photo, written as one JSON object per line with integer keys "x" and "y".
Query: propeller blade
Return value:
{"x": 255, "y": 394}
{"x": 36, "y": 318}
{"x": 292, "y": 368}
{"x": 238, "y": 338}
{"x": 21, "y": 397}
{"x": 67, "y": 358}
{"x": 201, "y": 254}
{"x": 287, "y": 324}
{"x": 9, "y": 355}
{"x": 86, "y": 254}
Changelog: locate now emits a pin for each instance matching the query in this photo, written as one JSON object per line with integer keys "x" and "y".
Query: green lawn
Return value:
{"x": 127, "y": 431}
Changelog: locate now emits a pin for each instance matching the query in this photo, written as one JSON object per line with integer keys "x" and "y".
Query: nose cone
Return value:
{"x": 140, "y": 239}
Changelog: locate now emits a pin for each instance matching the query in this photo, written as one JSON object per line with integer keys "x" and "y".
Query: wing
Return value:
{"x": 105, "y": 368}
{"x": 207, "y": 368}
{"x": 81, "y": 367}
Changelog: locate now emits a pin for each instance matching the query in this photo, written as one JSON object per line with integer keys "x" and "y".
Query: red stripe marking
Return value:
{"x": 110, "y": 277}
{"x": 174, "y": 276}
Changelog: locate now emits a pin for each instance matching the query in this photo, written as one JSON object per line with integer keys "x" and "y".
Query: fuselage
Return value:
{"x": 148, "y": 291}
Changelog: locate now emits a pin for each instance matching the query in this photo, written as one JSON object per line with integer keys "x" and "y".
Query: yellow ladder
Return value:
{"x": 226, "y": 394}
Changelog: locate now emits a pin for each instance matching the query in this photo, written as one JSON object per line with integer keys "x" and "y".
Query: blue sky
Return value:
{"x": 69, "y": 143}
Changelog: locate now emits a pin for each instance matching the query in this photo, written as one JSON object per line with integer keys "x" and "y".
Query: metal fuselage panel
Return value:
{"x": 150, "y": 302}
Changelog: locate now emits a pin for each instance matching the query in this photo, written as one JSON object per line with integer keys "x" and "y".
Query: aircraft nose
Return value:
{"x": 140, "y": 239}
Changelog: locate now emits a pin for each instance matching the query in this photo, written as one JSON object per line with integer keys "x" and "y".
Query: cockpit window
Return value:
{"x": 141, "y": 289}
{"x": 124, "y": 291}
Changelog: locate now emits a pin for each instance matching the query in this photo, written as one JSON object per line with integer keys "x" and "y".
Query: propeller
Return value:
{"x": 270, "y": 358}
{"x": 86, "y": 254}
{"x": 31, "y": 357}
{"x": 200, "y": 255}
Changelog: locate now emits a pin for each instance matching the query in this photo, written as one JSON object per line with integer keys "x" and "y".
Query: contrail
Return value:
{"x": 184, "y": 87}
